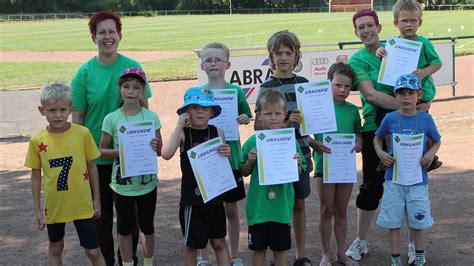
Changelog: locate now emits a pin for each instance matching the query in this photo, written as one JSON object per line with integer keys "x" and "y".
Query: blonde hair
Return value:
{"x": 54, "y": 92}
{"x": 217, "y": 45}
{"x": 268, "y": 98}
{"x": 284, "y": 38}
{"x": 406, "y": 5}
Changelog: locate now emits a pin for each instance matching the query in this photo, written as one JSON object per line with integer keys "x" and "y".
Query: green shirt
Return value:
{"x": 428, "y": 56}
{"x": 347, "y": 120}
{"x": 260, "y": 209}
{"x": 366, "y": 66}
{"x": 243, "y": 108}
{"x": 135, "y": 185}
{"x": 95, "y": 92}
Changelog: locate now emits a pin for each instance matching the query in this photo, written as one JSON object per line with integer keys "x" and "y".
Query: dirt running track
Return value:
{"x": 450, "y": 240}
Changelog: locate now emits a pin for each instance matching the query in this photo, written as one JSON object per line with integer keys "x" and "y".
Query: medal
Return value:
{"x": 197, "y": 192}
{"x": 271, "y": 195}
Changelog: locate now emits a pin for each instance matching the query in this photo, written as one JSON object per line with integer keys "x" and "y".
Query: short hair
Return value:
{"x": 217, "y": 45}
{"x": 54, "y": 92}
{"x": 343, "y": 69}
{"x": 284, "y": 38}
{"x": 365, "y": 12}
{"x": 268, "y": 98}
{"x": 406, "y": 5}
{"x": 101, "y": 16}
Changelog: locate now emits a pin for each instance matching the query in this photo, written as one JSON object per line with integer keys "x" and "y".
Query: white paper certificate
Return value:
{"x": 135, "y": 152}
{"x": 339, "y": 166}
{"x": 402, "y": 58}
{"x": 227, "y": 120}
{"x": 275, "y": 151}
{"x": 212, "y": 171}
{"x": 407, "y": 152}
{"x": 315, "y": 102}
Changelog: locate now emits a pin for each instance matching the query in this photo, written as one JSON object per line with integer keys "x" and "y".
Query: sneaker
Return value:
{"x": 236, "y": 262}
{"x": 435, "y": 164}
{"x": 357, "y": 248}
{"x": 396, "y": 261}
{"x": 411, "y": 252}
{"x": 204, "y": 263}
{"x": 420, "y": 260}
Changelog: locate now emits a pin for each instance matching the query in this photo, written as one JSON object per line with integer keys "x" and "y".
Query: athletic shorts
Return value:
{"x": 86, "y": 231}
{"x": 132, "y": 208}
{"x": 277, "y": 236}
{"x": 237, "y": 193}
{"x": 302, "y": 187}
{"x": 405, "y": 202}
{"x": 200, "y": 223}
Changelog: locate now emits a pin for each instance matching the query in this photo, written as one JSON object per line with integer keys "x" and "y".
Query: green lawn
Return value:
{"x": 191, "y": 32}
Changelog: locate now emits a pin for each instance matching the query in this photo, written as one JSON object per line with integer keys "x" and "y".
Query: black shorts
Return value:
{"x": 86, "y": 231}
{"x": 237, "y": 193}
{"x": 200, "y": 223}
{"x": 302, "y": 187}
{"x": 277, "y": 236}
{"x": 133, "y": 208}
{"x": 371, "y": 189}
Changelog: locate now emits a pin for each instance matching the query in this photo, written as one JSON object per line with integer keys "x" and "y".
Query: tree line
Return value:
{"x": 88, "y": 6}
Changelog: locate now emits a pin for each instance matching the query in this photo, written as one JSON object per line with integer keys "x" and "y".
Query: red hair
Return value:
{"x": 365, "y": 12}
{"x": 101, "y": 16}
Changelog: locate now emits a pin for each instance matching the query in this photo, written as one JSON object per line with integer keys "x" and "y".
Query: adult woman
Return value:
{"x": 95, "y": 93}
{"x": 375, "y": 98}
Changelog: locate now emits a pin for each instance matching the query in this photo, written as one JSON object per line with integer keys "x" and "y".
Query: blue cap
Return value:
{"x": 408, "y": 81}
{"x": 201, "y": 96}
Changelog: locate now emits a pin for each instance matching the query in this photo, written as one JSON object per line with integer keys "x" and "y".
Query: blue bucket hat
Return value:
{"x": 200, "y": 96}
{"x": 407, "y": 81}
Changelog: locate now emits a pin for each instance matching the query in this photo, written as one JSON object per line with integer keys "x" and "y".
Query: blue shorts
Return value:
{"x": 86, "y": 231}
{"x": 399, "y": 201}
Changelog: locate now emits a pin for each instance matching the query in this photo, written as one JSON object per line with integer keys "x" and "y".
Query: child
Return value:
{"x": 335, "y": 197}
{"x": 412, "y": 201}
{"x": 269, "y": 217}
{"x": 199, "y": 222}
{"x": 66, "y": 153}
{"x": 134, "y": 197}
{"x": 215, "y": 61}
{"x": 407, "y": 17}
{"x": 284, "y": 53}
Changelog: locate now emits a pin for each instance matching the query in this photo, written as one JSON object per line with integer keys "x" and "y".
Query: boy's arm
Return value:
{"x": 384, "y": 156}
{"x": 224, "y": 149}
{"x": 429, "y": 156}
{"x": 247, "y": 167}
{"x": 176, "y": 138}
{"x": 105, "y": 151}
{"x": 378, "y": 98}
{"x": 36, "y": 192}
{"x": 94, "y": 181}
{"x": 429, "y": 70}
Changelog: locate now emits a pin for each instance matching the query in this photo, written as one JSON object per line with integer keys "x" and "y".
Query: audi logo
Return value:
{"x": 320, "y": 61}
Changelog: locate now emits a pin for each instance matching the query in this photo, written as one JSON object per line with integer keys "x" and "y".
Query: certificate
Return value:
{"x": 402, "y": 58}
{"x": 275, "y": 151}
{"x": 315, "y": 102}
{"x": 212, "y": 171}
{"x": 407, "y": 152}
{"x": 227, "y": 120}
{"x": 339, "y": 166}
{"x": 135, "y": 153}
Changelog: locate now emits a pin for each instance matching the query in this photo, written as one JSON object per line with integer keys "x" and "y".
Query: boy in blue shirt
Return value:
{"x": 398, "y": 200}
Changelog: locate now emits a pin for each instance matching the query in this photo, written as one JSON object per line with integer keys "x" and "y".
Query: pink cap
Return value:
{"x": 134, "y": 71}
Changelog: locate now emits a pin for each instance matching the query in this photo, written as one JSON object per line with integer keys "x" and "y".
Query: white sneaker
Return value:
{"x": 357, "y": 248}
{"x": 204, "y": 263}
{"x": 236, "y": 262}
{"x": 411, "y": 252}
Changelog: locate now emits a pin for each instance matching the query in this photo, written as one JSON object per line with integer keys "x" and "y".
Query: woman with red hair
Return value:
{"x": 95, "y": 93}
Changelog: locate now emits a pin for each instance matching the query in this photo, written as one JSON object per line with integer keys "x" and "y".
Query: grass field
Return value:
{"x": 186, "y": 33}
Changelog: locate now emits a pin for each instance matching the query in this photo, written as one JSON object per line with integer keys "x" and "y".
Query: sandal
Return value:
{"x": 302, "y": 262}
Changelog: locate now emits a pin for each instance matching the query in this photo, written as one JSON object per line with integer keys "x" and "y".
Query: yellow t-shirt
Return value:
{"x": 63, "y": 159}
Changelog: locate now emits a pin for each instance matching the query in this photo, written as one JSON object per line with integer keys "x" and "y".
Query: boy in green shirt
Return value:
{"x": 269, "y": 208}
